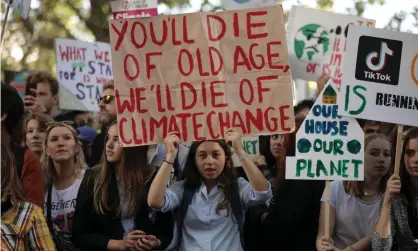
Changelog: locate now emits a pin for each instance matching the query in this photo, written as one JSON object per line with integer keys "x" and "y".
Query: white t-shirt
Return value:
{"x": 353, "y": 219}
{"x": 127, "y": 223}
{"x": 62, "y": 208}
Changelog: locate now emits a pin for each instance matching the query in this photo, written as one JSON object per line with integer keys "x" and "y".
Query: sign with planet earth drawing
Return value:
{"x": 316, "y": 41}
{"x": 328, "y": 146}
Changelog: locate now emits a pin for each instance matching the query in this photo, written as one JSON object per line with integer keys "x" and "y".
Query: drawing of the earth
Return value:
{"x": 311, "y": 42}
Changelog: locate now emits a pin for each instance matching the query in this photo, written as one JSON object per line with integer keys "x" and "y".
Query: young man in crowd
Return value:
{"x": 27, "y": 163}
{"x": 42, "y": 93}
{"x": 370, "y": 126}
{"x": 107, "y": 115}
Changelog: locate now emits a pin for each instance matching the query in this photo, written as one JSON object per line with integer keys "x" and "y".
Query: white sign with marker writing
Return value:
{"x": 82, "y": 69}
{"x": 328, "y": 146}
{"x": 380, "y": 80}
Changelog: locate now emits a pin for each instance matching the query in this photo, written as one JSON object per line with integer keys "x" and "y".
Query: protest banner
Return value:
{"x": 123, "y": 9}
{"x": 328, "y": 146}
{"x": 246, "y": 4}
{"x": 82, "y": 69}
{"x": 251, "y": 147}
{"x": 200, "y": 74}
{"x": 317, "y": 41}
{"x": 381, "y": 80}
{"x": 20, "y": 6}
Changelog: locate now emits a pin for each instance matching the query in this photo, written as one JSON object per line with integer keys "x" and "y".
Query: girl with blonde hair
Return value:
{"x": 63, "y": 164}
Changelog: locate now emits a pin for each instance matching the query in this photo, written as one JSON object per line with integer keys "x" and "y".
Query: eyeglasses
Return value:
{"x": 106, "y": 99}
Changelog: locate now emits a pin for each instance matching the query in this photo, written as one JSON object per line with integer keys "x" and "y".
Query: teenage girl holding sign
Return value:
{"x": 355, "y": 205}
{"x": 397, "y": 228}
{"x": 211, "y": 200}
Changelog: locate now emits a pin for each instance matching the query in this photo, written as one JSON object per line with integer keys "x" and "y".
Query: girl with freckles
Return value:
{"x": 35, "y": 131}
{"x": 355, "y": 205}
{"x": 209, "y": 223}
{"x": 397, "y": 228}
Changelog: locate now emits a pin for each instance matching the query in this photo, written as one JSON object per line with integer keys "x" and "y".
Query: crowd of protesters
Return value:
{"x": 68, "y": 184}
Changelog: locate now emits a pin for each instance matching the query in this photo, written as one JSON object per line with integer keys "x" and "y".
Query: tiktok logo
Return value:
{"x": 384, "y": 50}
{"x": 378, "y": 60}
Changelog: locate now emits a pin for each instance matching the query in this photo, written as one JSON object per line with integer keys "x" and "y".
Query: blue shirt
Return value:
{"x": 158, "y": 156}
{"x": 204, "y": 228}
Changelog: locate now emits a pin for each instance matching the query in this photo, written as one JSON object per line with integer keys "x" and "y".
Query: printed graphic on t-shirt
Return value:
{"x": 63, "y": 204}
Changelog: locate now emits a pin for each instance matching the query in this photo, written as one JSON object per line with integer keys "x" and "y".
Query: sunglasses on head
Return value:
{"x": 106, "y": 99}
{"x": 65, "y": 122}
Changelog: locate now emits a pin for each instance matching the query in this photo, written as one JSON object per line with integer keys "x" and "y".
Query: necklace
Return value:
{"x": 366, "y": 194}
{"x": 370, "y": 202}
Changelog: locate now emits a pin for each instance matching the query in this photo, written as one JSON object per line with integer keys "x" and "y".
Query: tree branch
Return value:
{"x": 45, "y": 42}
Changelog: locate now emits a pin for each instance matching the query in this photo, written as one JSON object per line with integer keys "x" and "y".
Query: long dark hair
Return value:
{"x": 408, "y": 189}
{"x": 193, "y": 179}
{"x": 289, "y": 145}
{"x": 133, "y": 172}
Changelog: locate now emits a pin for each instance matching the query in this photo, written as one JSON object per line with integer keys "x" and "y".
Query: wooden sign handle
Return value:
{"x": 327, "y": 197}
{"x": 398, "y": 153}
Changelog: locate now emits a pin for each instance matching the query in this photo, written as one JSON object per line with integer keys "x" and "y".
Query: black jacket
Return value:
{"x": 97, "y": 149}
{"x": 92, "y": 231}
{"x": 292, "y": 221}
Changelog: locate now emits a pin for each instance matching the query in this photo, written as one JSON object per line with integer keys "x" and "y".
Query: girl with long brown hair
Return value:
{"x": 211, "y": 199}
{"x": 23, "y": 226}
{"x": 355, "y": 205}
{"x": 63, "y": 164}
{"x": 397, "y": 228}
{"x": 111, "y": 212}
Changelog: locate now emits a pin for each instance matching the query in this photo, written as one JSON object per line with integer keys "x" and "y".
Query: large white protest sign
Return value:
{"x": 316, "y": 42}
{"x": 82, "y": 69}
{"x": 328, "y": 146}
{"x": 381, "y": 76}
{"x": 20, "y": 6}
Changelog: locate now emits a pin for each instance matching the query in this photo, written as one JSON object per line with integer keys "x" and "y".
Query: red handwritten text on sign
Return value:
{"x": 200, "y": 74}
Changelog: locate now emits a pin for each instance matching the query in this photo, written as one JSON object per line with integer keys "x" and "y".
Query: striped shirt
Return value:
{"x": 25, "y": 229}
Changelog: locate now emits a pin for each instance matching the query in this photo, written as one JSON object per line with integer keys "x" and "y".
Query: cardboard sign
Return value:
{"x": 328, "y": 147}
{"x": 20, "y": 6}
{"x": 381, "y": 80}
{"x": 82, "y": 69}
{"x": 200, "y": 74}
{"x": 123, "y": 9}
{"x": 246, "y": 4}
{"x": 317, "y": 41}
{"x": 251, "y": 147}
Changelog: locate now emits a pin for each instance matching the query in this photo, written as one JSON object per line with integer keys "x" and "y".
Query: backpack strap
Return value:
{"x": 238, "y": 214}
{"x": 188, "y": 194}
{"x": 48, "y": 208}
{"x": 19, "y": 159}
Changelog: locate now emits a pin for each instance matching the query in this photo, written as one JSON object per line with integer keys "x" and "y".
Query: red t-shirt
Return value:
{"x": 32, "y": 179}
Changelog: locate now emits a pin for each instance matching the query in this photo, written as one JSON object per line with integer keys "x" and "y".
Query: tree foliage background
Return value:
{"x": 88, "y": 20}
